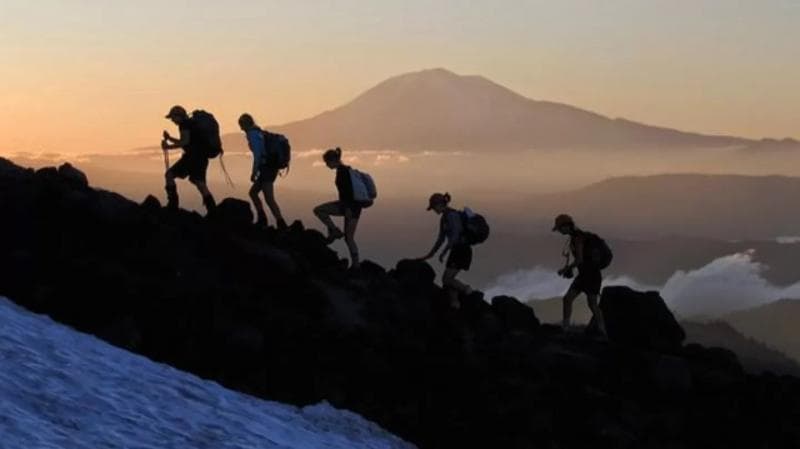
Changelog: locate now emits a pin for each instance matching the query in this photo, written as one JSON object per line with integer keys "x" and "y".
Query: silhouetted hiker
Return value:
{"x": 591, "y": 255}
{"x": 266, "y": 166}
{"x": 198, "y": 144}
{"x": 461, "y": 230}
{"x": 356, "y": 191}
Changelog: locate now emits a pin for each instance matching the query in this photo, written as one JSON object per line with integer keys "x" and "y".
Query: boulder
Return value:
{"x": 640, "y": 320}
{"x": 73, "y": 177}
{"x": 514, "y": 314}
{"x": 151, "y": 204}
{"x": 234, "y": 213}
{"x": 414, "y": 272}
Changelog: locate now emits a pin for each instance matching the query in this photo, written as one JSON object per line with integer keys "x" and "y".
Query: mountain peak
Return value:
{"x": 438, "y": 109}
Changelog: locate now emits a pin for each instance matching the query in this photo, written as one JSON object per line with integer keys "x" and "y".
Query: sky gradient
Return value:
{"x": 98, "y": 75}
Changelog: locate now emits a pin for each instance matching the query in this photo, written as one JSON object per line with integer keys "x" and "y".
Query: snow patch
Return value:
{"x": 63, "y": 389}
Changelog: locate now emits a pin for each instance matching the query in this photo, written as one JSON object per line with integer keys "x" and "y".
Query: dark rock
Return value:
{"x": 234, "y": 213}
{"x": 514, "y": 314}
{"x": 671, "y": 374}
{"x": 274, "y": 314}
{"x": 414, "y": 272}
{"x": 371, "y": 269}
{"x": 73, "y": 177}
{"x": 640, "y": 320}
{"x": 151, "y": 204}
{"x": 49, "y": 174}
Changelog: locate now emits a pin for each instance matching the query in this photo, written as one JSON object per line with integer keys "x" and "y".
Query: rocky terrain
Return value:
{"x": 278, "y": 316}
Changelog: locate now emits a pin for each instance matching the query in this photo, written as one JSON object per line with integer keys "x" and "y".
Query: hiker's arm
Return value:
{"x": 169, "y": 138}
{"x": 256, "y": 143}
{"x": 436, "y": 246}
{"x": 176, "y": 143}
{"x": 579, "y": 242}
{"x": 344, "y": 183}
{"x": 454, "y": 230}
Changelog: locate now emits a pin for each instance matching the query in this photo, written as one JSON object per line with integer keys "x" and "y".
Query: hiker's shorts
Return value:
{"x": 460, "y": 257}
{"x": 589, "y": 281}
{"x": 266, "y": 175}
{"x": 193, "y": 167}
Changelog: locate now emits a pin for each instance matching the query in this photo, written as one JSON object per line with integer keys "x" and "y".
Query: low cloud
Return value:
{"x": 725, "y": 285}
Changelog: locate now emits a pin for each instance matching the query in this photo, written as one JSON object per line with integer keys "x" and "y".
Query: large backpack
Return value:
{"x": 476, "y": 228}
{"x": 205, "y": 134}
{"x": 596, "y": 251}
{"x": 364, "y": 189}
{"x": 278, "y": 150}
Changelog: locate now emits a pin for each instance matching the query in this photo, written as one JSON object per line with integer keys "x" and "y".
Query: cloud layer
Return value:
{"x": 727, "y": 284}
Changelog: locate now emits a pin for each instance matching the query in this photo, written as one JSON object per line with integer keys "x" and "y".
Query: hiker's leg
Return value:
{"x": 269, "y": 197}
{"x": 208, "y": 199}
{"x": 454, "y": 286}
{"x": 449, "y": 280}
{"x": 325, "y": 211}
{"x": 202, "y": 187}
{"x": 350, "y": 226}
{"x": 261, "y": 216}
{"x": 172, "y": 190}
{"x": 568, "y": 299}
{"x": 596, "y": 312}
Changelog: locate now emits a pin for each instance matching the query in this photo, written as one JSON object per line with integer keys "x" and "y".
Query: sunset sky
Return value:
{"x": 98, "y": 75}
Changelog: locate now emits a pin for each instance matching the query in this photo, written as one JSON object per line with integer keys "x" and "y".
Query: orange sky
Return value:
{"x": 98, "y": 76}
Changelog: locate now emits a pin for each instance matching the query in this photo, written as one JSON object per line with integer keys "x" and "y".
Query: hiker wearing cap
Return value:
{"x": 590, "y": 256}
{"x": 349, "y": 205}
{"x": 263, "y": 174}
{"x": 457, "y": 250}
{"x": 192, "y": 164}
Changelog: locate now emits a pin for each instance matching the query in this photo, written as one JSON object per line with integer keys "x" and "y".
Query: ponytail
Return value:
{"x": 447, "y": 198}
{"x": 333, "y": 155}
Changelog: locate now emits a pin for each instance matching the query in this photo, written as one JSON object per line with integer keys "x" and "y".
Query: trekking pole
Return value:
{"x": 166, "y": 160}
{"x": 228, "y": 179}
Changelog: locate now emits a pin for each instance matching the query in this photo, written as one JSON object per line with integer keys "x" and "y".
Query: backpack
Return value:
{"x": 278, "y": 150}
{"x": 364, "y": 190}
{"x": 476, "y": 228}
{"x": 596, "y": 251}
{"x": 205, "y": 134}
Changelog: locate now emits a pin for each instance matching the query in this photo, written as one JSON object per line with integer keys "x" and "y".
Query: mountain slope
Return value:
{"x": 60, "y": 388}
{"x": 724, "y": 207}
{"x": 774, "y": 324}
{"x": 276, "y": 315}
{"x": 439, "y": 110}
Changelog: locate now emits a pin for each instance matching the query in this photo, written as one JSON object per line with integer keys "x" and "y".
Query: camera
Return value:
{"x": 566, "y": 272}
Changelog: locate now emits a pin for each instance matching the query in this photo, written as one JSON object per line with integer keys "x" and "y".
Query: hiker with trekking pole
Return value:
{"x": 200, "y": 141}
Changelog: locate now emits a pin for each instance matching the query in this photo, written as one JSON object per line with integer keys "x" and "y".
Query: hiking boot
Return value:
{"x": 261, "y": 220}
{"x": 172, "y": 198}
{"x": 334, "y": 234}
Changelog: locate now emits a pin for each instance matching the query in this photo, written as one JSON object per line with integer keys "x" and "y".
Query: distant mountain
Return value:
{"x": 774, "y": 324}
{"x": 440, "y": 110}
{"x": 724, "y": 207}
{"x": 755, "y": 355}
